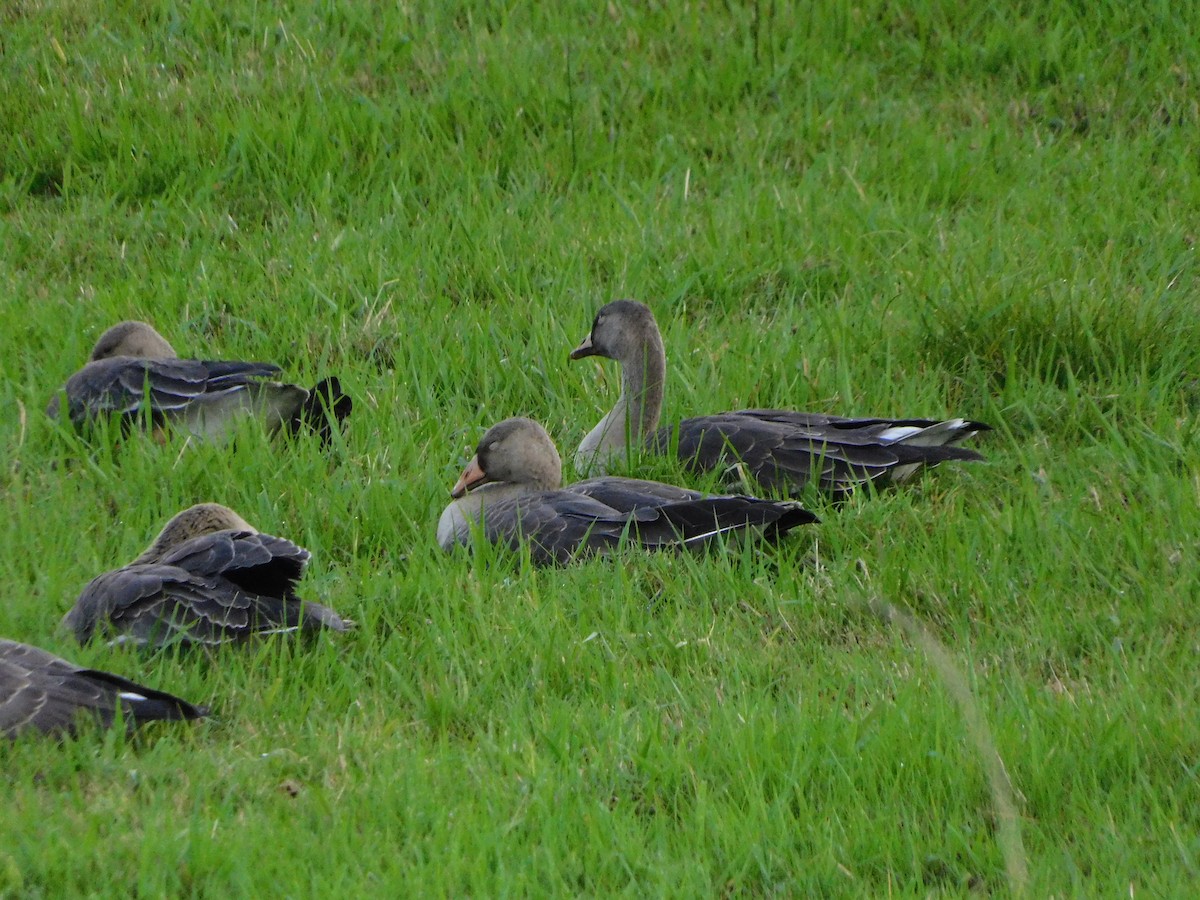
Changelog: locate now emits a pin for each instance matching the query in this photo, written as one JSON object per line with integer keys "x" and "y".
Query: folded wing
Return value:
{"x": 211, "y": 589}
{"x": 784, "y": 450}
{"x": 42, "y": 692}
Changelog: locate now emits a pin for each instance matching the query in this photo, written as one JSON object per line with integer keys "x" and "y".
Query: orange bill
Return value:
{"x": 472, "y": 475}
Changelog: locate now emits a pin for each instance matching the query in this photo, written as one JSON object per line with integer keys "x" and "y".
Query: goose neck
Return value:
{"x": 642, "y": 379}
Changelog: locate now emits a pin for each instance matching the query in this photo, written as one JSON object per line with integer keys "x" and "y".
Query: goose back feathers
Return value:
{"x": 782, "y": 450}
{"x": 135, "y": 375}
{"x": 511, "y": 490}
{"x": 42, "y": 692}
{"x": 208, "y": 578}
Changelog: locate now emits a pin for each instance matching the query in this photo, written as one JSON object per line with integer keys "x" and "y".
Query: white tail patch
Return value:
{"x": 898, "y": 433}
{"x": 903, "y": 473}
{"x": 930, "y": 436}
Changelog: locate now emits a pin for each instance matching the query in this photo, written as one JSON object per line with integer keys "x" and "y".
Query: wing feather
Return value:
{"x": 132, "y": 387}
{"x": 785, "y": 450}
{"x": 213, "y": 588}
{"x": 593, "y": 517}
{"x": 42, "y": 692}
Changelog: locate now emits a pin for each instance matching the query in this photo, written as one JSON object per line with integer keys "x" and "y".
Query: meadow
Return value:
{"x": 925, "y": 209}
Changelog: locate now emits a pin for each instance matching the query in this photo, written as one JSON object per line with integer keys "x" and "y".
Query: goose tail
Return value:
{"x": 699, "y": 521}
{"x": 939, "y": 434}
{"x": 325, "y": 406}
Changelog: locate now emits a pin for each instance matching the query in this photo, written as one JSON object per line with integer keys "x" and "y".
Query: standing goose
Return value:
{"x": 42, "y": 692}
{"x": 208, "y": 578}
{"x": 512, "y": 486}
{"x": 781, "y": 449}
{"x": 135, "y": 374}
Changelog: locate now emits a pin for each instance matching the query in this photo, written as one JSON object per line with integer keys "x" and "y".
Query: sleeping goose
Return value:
{"x": 135, "y": 374}
{"x": 208, "y": 578}
{"x": 42, "y": 692}
{"x": 512, "y": 487}
{"x": 781, "y": 449}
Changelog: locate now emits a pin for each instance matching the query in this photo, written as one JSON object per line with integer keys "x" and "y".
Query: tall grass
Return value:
{"x": 920, "y": 209}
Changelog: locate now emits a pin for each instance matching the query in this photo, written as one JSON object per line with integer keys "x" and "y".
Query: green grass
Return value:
{"x": 925, "y": 208}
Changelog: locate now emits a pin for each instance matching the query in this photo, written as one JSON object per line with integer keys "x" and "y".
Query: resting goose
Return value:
{"x": 781, "y": 449}
{"x": 135, "y": 374}
{"x": 512, "y": 487}
{"x": 42, "y": 692}
{"x": 208, "y": 578}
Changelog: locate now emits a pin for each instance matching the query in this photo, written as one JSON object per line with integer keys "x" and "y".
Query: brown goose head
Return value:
{"x": 203, "y": 518}
{"x": 624, "y": 330}
{"x": 135, "y": 339}
{"x": 517, "y": 451}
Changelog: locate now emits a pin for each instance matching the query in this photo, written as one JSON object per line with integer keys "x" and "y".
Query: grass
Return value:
{"x": 923, "y": 209}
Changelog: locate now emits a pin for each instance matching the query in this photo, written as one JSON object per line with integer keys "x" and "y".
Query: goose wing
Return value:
{"x": 558, "y": 525}
{"x": 784, "y": 450}
{"x": 915, "y": 432}
{"x": 628, "y": 494}
{"x": 256, "y": 562}
{"x": 780, "y": 457}
{"x": 691, "y": 513}
{"x": 694, "y": 523}
{"x": 129, "y": 386}
{"x": 561, "y": 526}
{"x": 210, "y": 589}
{"x": 42, "y": 692}
{"x": 263, "y": 566}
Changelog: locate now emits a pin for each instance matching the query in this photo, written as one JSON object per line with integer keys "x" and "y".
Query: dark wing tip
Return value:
{"x": 326, "y": 405}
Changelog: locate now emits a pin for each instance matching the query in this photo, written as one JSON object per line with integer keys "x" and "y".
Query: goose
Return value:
{"x": 512, "y": 489}
{"x": 42, "y": 692}
{"x": 135, "y": 374}
{"x": 208, "y": 578}
{"x": 781, "y": 449}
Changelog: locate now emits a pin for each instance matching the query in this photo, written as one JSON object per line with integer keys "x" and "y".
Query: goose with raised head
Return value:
{"x": 782, "y": 450}
{"x": 135, "y": 375}
{"x": 43, "y": 692}
{"x": 208, "y": 578}
{"x": 512, "y": 491}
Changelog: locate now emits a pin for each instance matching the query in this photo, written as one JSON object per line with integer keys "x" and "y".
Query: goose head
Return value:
{"x": 135, "y": 339}
{"x": 624, "y": 330}
{"x": 621, "y": 331}
{"x": 203, "y": 518}
{"x": 516, "y": 452}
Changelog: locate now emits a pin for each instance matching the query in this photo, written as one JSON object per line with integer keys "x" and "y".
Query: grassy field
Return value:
{"x": 930, "y": 208}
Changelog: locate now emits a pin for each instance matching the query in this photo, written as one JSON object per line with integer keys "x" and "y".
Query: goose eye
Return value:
{"x": 493, "y": 445}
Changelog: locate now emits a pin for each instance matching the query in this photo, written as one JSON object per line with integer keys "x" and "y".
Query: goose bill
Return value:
{"x": 585, "y": 348}
{"x": 472, "y": 476}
